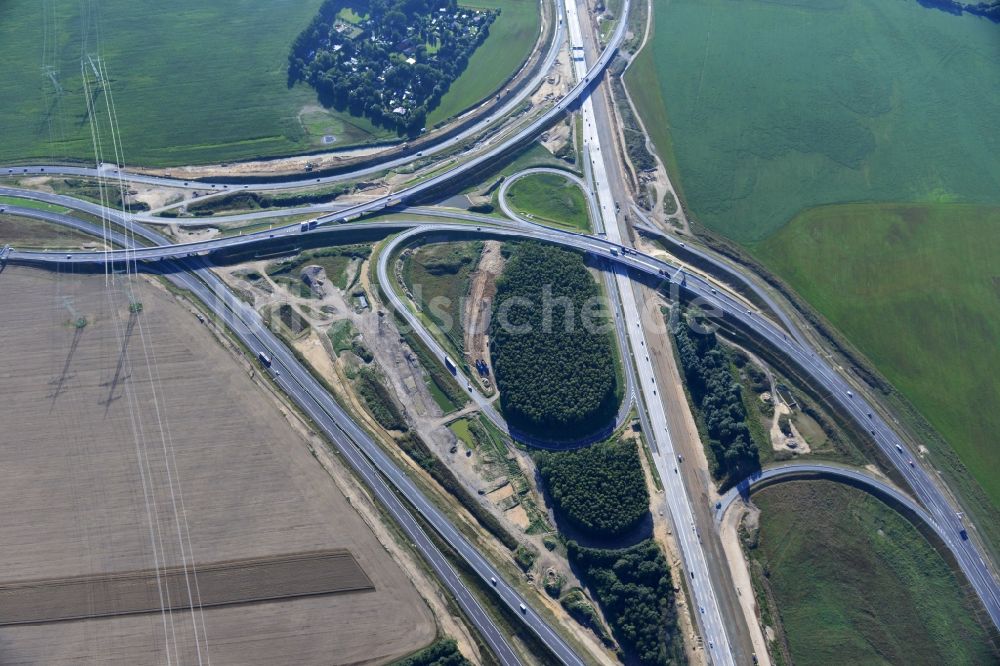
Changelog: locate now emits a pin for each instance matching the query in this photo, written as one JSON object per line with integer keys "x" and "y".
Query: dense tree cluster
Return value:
{"x": 633, "y": 588}
{"x": 551, "y": 346}
{"x": 599, "y": 489}
{"x": 719, "y": 400}
{"x": 395, "y": 64}
{"x": 443, "y": 652}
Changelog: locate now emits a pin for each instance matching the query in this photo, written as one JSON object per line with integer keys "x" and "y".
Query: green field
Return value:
{"x": 917, "y": 289}
{"x": 764, "y": 108}
{"x": 512, "y": 38}
{"x": 31, "y": 203}
{"x": 552, "y": 200}
{"x": 342, "y": 334}
{"x": 438, "y": 276}
{"x": 855, "y": 583}
{"x": 194, "y": 82}
{"x": 462, "y": 431}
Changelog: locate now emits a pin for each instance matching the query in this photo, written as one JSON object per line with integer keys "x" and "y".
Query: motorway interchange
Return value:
{"x": 185, "y": 265}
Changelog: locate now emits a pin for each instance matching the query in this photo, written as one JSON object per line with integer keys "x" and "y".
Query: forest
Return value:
{"x": 718, "y": 400}
{"x": 388, "y": 60}
{"x": 600, "y": 489}
{"x": 551, "y": 344}
{"x": 635, "y": 592}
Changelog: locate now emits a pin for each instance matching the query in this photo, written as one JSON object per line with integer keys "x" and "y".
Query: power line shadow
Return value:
{"x": 59, "y": 382}
{"x": 120, "y": 375}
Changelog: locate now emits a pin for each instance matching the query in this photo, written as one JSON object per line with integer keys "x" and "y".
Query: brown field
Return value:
{"x": 219, "y": 584}
{"x": 106, "y": 471}
{"x": 26, "y": 233}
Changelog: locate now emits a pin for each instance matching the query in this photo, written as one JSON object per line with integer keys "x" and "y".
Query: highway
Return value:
{"x": 395, "y": 199}
{"x": 596, "y": 125}
{"x": 725, "y": 268}
{"x": 713, "y": 298}
{"x": 364, "y": 455}
{"x": 431, "y": 148}
{"x": 799, "y": 470}
{"x": 942, "y": 514}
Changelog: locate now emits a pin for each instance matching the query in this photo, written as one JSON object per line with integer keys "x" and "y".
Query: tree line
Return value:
{"x": 718, "y": 399}
{"x": 634, "y": 590}
{"x": 556, "y": 376}
{"x": 600, "y": 489}
{"x": 442, "y": 652}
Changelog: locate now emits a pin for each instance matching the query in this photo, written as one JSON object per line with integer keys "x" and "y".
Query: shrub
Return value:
{"x": 785, "y": 425}
{"x": 525, "y": 556}
{"x": 579, "y": 609}
{"x": 553, "y": 584}
{"x": 379, "y": 401}
{"x": 443, "y": 652}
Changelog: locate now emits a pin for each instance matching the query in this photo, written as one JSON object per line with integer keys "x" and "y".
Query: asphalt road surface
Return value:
{"x": 509, "y": 105}
{"x": 362, "y": 453}
{"x": 721, "y": 303}
{"x": 942, "y": 513}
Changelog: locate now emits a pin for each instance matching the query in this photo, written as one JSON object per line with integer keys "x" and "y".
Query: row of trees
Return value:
{"x": 719, "y": 400}
{"x": 379, "y": 401}
{"x": 556, "y": 376}
{"x": 443, "y": 652}
{"x": 634, "y": 589}
{"x": 600, "y": 489}
{"x": 369, "y": 75}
